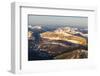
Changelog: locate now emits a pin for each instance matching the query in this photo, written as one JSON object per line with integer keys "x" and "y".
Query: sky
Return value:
{"x": 57, "y": 20}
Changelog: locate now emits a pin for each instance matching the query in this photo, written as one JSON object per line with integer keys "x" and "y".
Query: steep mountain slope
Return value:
{"x": 65, "y": 37}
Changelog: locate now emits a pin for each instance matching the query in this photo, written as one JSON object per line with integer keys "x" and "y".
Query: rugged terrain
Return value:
{"x": 61, "y": 43}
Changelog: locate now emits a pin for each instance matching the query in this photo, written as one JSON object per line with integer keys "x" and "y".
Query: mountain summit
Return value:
{"x": 65, "y": 34}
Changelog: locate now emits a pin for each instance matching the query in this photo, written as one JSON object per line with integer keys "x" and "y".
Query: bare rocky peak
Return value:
{"x": 67, "y": 30}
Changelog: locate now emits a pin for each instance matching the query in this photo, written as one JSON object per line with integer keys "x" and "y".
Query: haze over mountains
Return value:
{"x": 57, "y": 21}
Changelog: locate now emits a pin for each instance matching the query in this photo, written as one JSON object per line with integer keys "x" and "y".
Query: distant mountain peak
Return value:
{"x": 67, "y": 30}
{"x": 35, "y": 27}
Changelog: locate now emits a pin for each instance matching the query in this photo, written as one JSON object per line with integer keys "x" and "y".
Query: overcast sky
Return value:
{"x": 57, "y": 20}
